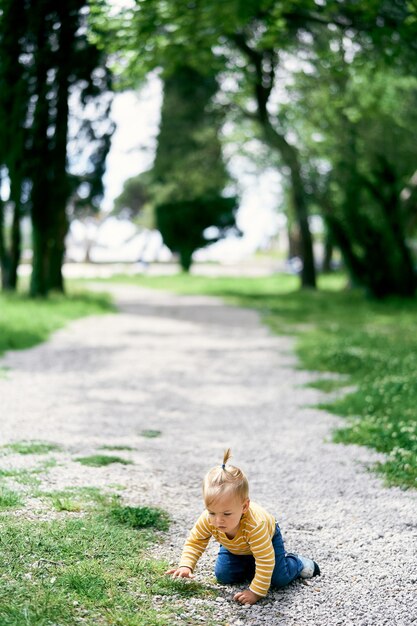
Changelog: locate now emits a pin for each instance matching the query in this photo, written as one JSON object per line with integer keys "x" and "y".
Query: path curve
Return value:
{"x": 209, "y": 376}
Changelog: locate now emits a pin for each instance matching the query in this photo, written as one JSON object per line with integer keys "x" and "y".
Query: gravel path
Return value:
{"x": 210, "y": 376}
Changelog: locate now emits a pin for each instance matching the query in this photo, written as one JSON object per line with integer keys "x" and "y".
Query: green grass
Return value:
{"x": 4, "y": 371}
{"x": 218, "y": 286}
{"x": 101, "y": 460}
{"x": 327, "y": 384}
{"x": 23, "y": 477}
{"x": 9, "y": 499}
{"x": 32, "y": 447}
{"x": 150, "y": 434}
{"x": 28, "y": 476}
{"x": 372, "y": 344}
{"x": 89, "y": 570}
{"x": 116, "y": 448}
{"x": 140, "y": 517}
{"x": 76, "y": 499}
{"x": 25, "y": 322}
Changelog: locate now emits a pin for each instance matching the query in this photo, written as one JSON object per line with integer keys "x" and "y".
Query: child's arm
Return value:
{"x": 263, "y": 552}
{"x": 193, "y": 548}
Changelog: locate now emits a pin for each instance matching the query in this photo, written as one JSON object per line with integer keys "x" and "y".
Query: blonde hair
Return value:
{"x": 224, "y": 479}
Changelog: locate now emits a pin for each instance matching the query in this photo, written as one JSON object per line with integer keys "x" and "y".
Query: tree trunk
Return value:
{"x": 4, "y": 258}
{"x": 59, "y": 152}
{"x": 186, "y": 260}
{"x": 38, "y": 282}
{"x": 41, "y": 166}
{"x": 10, "y": 251}
{"x": 290, "y": 157}
{"x": 264, "y": 62}
{"x": 16, "y": 237}
{"x": 375, "y": 261}
{"x": 294, "y": 248}
{"x": 14, "y": 101}
{"x": 404, "y": 275}
{"x": 328, "y": 253}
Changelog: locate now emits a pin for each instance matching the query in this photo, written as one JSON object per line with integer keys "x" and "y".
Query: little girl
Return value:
{"x": 251, "y": 546}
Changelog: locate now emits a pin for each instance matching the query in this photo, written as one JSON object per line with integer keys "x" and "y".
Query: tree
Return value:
{"x": 189, "y": 172}
{"x": 48, "y": 70}
{"x": 250, "y": 40}
{"x": 167, "y": 35}
{"x": 356, "y": 117}
{"x": 273, "y": 31}
{"x": 183, "y": 224}
{"x": 136, "y": 204}
{"x": 135, "y": 197}
{"x": 13, "y": 134}
{"x": 77, "y": 66}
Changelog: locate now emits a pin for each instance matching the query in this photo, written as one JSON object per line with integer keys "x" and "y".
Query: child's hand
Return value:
{"x": 246, "y": 597}
{"x": 180, "y": 572}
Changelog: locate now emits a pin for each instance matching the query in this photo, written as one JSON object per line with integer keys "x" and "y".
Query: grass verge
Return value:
{"x": 9, "y": 499}
{"x": 372, "y": 344}
{"x": 90, "y": 570}
{"x": 140, "y": 517}
{"x": 25, "y": 322}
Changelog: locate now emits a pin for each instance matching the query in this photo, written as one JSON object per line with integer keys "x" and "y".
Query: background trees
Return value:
{"x": 355, "y": 120}
{"x": 189, "y": 175}
{"x": 329, "y": 87}
{"x": 48, "y": 67}
{"x": 14, "y": 98}
{"x": 256, "y": 47}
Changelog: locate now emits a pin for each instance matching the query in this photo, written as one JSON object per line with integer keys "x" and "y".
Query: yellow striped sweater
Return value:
{"x": 256, "y": 529}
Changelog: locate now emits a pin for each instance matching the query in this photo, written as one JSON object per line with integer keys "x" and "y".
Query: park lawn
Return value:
{"x": 89, "y": 567}
{"x": 371, "y": 344}
{"x": 25, "y": 322}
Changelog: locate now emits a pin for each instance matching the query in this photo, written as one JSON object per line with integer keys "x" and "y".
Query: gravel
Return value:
{"x": 209, "y": 376}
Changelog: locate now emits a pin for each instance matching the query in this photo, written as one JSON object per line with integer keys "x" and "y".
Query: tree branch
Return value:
{"x": 265, "y": 79}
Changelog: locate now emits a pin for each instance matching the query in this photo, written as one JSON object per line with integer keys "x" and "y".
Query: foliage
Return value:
{"x": 184, "y": 224}
{"x": 54, "y": 128}
{"x": 135, "y": 201}
{"x": 177, "y": 195}
{"x": 188, "y": 201}
{"x": 252, "y": 42}
{"x": 372, "y": 344}
{"x": 56, "y": 50}
{"x": 354, "y": 119}
{"x": 14, "y": 94}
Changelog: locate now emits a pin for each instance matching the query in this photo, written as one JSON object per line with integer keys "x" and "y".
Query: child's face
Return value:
{"x": 226, "y": 511}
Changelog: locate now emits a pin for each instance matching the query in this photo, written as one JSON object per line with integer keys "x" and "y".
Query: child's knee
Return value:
{"x": 223, "y": 579}
{"x": 223, "y": 576}
{"x": 281, "y": 579}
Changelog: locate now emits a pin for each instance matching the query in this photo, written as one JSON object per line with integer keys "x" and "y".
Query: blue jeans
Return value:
{"x": 232, "y": 569}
